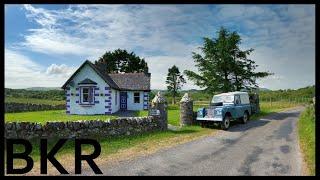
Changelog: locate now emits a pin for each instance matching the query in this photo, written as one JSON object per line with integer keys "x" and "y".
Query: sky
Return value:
{"x": 45, "y": 44}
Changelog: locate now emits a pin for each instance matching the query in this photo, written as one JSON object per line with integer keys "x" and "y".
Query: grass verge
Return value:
{"x": 306, "y": 129}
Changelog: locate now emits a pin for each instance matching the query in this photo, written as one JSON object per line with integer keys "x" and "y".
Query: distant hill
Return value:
{"x": 44, "y": 93}
{"x": 43, "y": 88}
{"x": 264, "y": 89}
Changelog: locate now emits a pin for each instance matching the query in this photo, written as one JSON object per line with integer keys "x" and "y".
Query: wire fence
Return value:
{"x": 271, "y": 101}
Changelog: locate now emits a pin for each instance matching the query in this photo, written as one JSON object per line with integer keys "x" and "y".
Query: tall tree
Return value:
{"x": 223, "y": 66}
{"x": 175, "y": 81}
{"x": 121, "y": 61}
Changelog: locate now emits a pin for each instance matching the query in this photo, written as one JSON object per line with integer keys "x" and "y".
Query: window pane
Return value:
{"x": 136, "y": 96}
{"x": 85, "y": 97}
{"x": 116, "y": 98}
{"x": 85, "y": 90}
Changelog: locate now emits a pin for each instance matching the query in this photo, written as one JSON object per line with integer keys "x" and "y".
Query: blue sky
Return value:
{"x": 45, "y": 44}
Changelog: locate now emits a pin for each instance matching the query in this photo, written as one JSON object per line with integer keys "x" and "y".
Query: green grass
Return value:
{"x": 173, "y": 114}
{"x": 306, "y": 129}
{"x": 33, "y": 101}
{"x": 52, "y": 115}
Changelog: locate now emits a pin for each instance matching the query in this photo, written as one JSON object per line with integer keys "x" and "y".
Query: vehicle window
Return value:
{"x": 237, "y": 99}
{"x": 223, "y": 99}
{"x": 244, "y": 99}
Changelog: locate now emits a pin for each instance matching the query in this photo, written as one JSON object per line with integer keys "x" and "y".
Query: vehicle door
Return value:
{"x": 238, "y": 107}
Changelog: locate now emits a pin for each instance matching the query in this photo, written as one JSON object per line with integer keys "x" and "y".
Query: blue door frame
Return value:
{"x": 123, "y": 100}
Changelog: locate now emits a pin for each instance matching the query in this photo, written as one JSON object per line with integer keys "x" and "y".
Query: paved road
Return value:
{"x": 265, "y": 147}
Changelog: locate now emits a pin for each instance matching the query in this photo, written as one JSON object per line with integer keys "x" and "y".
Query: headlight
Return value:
{"x": 218, "y": 111}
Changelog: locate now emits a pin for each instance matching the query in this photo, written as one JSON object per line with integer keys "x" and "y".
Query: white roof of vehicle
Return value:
{"x": 231, "y": 93}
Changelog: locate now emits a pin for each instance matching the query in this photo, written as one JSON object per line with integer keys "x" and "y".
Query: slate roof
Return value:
{"x": 132, "y": 81}
{"x": 121, "y": 81}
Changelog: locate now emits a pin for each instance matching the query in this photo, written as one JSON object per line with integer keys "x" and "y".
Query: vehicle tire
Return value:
{"x": 245, "y": 118}
{"x": 203, "y": 124}
{"x": 225, "y": 124}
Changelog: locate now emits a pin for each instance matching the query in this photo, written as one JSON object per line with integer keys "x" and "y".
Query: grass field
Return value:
{"x": 33, "y": 101}
{"x": 52, "y": 115}
{"x": 173, "y": 114}
{"x": 306, "y": 129}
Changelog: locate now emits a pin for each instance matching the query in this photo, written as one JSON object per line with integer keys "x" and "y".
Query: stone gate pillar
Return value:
{"x": 186, "y": 110}
{"x": 158, "y": 109}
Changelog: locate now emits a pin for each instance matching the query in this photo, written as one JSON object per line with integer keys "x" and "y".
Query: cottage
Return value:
{"x": 92, "y": 91}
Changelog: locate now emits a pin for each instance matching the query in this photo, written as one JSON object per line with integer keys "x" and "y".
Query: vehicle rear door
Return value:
{"x": 238, "y": 107}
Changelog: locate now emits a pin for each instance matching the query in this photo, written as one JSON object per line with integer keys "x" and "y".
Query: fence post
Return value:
{"x": 159, "y": 105}
{"x": 186, "y": 110}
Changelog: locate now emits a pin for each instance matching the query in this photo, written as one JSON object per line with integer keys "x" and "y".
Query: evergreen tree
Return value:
{"x": 175, "y": 81}
{"x": 223, "y": 66}
{"x": 121, "y": 61}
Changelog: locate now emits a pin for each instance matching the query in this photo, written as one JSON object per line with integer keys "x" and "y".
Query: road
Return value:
{"x": 268, "y": 146}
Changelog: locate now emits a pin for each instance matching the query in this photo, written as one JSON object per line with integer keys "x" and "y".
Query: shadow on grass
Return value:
{"x": 186, "y": 131}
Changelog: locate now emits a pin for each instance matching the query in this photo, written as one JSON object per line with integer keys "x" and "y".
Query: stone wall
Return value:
{"x": 87, "y": 128}
{"x": 159, "y": 105}
{"x": 21, "y": 107}
{"x": 186, "y": 110}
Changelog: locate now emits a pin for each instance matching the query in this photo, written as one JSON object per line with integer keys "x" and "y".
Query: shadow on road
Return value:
{"x": 281, "y": 116}
{"x": 237, "y": 127}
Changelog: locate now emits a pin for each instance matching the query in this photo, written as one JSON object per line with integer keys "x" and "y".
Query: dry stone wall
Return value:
{"x": 21, "y": 107}
{"x": 87, "y": 128}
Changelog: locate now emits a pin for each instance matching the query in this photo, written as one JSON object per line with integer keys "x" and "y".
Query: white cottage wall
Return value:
{"x": 130, "y": 101}
{"x": 99, "y": 106}
{"x": 115, "y": 103}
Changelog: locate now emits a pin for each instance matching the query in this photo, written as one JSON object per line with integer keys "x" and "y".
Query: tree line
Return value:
{"x": 56, "y": 95}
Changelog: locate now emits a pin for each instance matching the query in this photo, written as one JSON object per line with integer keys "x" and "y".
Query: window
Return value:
{"x": 244, "y": 99}
{"x": 237, "y": 99}
{"x": 136, "y": 97}
{"x": 222, "y": 98}
{"x": 87, "y": 95}
{"x": 116, "y": 98}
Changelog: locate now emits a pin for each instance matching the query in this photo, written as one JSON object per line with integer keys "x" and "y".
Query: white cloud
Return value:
{"x": 159, "y": 66}
{"x": 91, "y": 30}
{"x": 283, "y": 36}
{"x": 60, "y": 69}
{"x": 22, "y": 72}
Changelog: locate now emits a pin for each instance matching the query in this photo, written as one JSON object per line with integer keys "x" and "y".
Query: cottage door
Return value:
{"x": 123, "y": 100}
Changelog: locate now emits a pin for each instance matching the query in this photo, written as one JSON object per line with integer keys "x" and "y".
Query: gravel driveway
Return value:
{"x": 268, "y": 146}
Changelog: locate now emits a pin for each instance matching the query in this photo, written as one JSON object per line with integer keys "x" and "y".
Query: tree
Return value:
{"x": 175, "y": 81}
{"x": 121, "y": 61}
{"x": 223, "y": 66}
